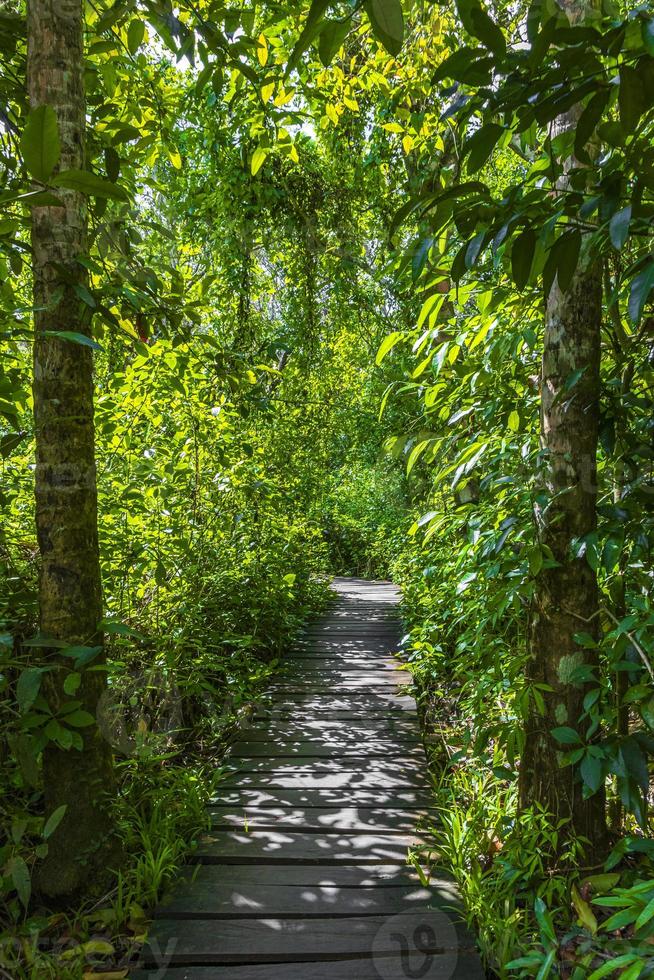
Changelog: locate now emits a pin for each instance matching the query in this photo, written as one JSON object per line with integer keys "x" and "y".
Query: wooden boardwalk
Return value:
{"x": 305, "y": 875}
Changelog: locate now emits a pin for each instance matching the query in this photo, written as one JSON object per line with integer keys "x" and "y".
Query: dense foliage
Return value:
{"x": 327, "y": 248}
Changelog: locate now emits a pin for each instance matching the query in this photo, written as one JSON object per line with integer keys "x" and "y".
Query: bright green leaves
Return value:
{"x": 258, "y": 159}
{"x": 73, "y": 338}
{"x": 387, "y": 345}
{"x": 387, "y": 22}
{"x": 41, "y": 151}
{"x": 40, "y": 143}
{"x": 135, "y": 35}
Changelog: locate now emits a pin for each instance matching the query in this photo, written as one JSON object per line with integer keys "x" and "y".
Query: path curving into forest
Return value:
{"x": 304, "y": 875}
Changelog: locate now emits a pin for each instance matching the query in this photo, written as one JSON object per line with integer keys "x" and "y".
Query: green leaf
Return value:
{"x": 481, "y": 144}
{"x": 90, "y": 184}
{"x": 485, "y": 28}
{"x": 73, "y": 337}
{"x": 79, "y": 719}
{"x": 588, "y": 122}
{"x": 619, "y": 227}
{"x": 28, "y": 687}
{"x": 309, "y": 32}
{"x": 135, "y": 35}
{"x": 387, "y": 22}
{"x": 54, "y": 820}
{"x": 640, "y": 290}
{"x": 332, "y": 35}
{"x": 39, "y": 143}
{"x": 387, "y": 344}
{"x": 19, "y": 873}
{"x": 72, "y": 682}
{"x": 566, "y": 735}
{"x": 258, "y": 158}
{"x": 632, "y": 98}
{"x": 591, "y": 772}
{"x": 522, "y": 257}
{"x": 647, "y": 30}
{"x": 562, "y": 261}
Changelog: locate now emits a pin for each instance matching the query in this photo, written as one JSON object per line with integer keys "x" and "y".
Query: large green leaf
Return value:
{"x": 522, "y": 257}
{"x": 88, "y": 183}
{"x": 40, "y": 142}
{"x": 387, "y": 22}
{"x": 640, "y": 290}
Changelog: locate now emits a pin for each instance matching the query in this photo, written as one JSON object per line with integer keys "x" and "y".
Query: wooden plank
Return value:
{"x": 203, "y": 897}
{"x": 289, "y": 940}
{"x": 374, "y": 704}
{"x": 341, "y": 661}
{"x": 329, "y": 676}
{"x": 353, "y": 780}
{"x": 353, "y": 819}
{"x": 403, "y": 729}
{"x": 398, "y": 765}
{"x": 328, "y": 747}
{"x": 293, "y": 847}
{"x": 467, "y": 967}
{"x": 394, "y": 799}
{"x": 307, "y": 876}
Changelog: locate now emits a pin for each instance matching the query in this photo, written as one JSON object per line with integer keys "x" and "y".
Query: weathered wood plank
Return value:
{"x": 333, "y": 660}
{"x": 355, "y": 779}
{"x": 308, "y": 876}
{"x": 402, "y": 729}
{"x": 328, "y": 676}
{"x": 208, "y": 897}
{"x": 373, "y": 702}
{"x": 293, "y": 847}
{"x": 288, "y": 940}
{"x": 336, "y": 746}
{"x": 399, "y": 764}
{"x": 393, "y": 798}
{"x": 467, "y": 967}
{"x": 352, "y": 819}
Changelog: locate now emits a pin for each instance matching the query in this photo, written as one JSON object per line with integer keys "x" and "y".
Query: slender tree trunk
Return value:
{"x": 82, "y": 850}
{"x": 566, "y": 597}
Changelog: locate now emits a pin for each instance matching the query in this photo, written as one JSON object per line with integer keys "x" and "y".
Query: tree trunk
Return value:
{"x": 82, "y": 850}
{"x": 566, "y": 599}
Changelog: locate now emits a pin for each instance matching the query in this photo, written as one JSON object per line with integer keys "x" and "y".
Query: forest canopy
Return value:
{"x": 296, "y": 290}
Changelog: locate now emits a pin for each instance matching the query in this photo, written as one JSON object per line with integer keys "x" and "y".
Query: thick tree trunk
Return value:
{"x": 82, "y": 850}
{"x": 566, "y": 599}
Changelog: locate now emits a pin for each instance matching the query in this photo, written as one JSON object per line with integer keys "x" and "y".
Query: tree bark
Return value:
{"x": 565, "y": 601}
{"x": 82, "y": 850}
